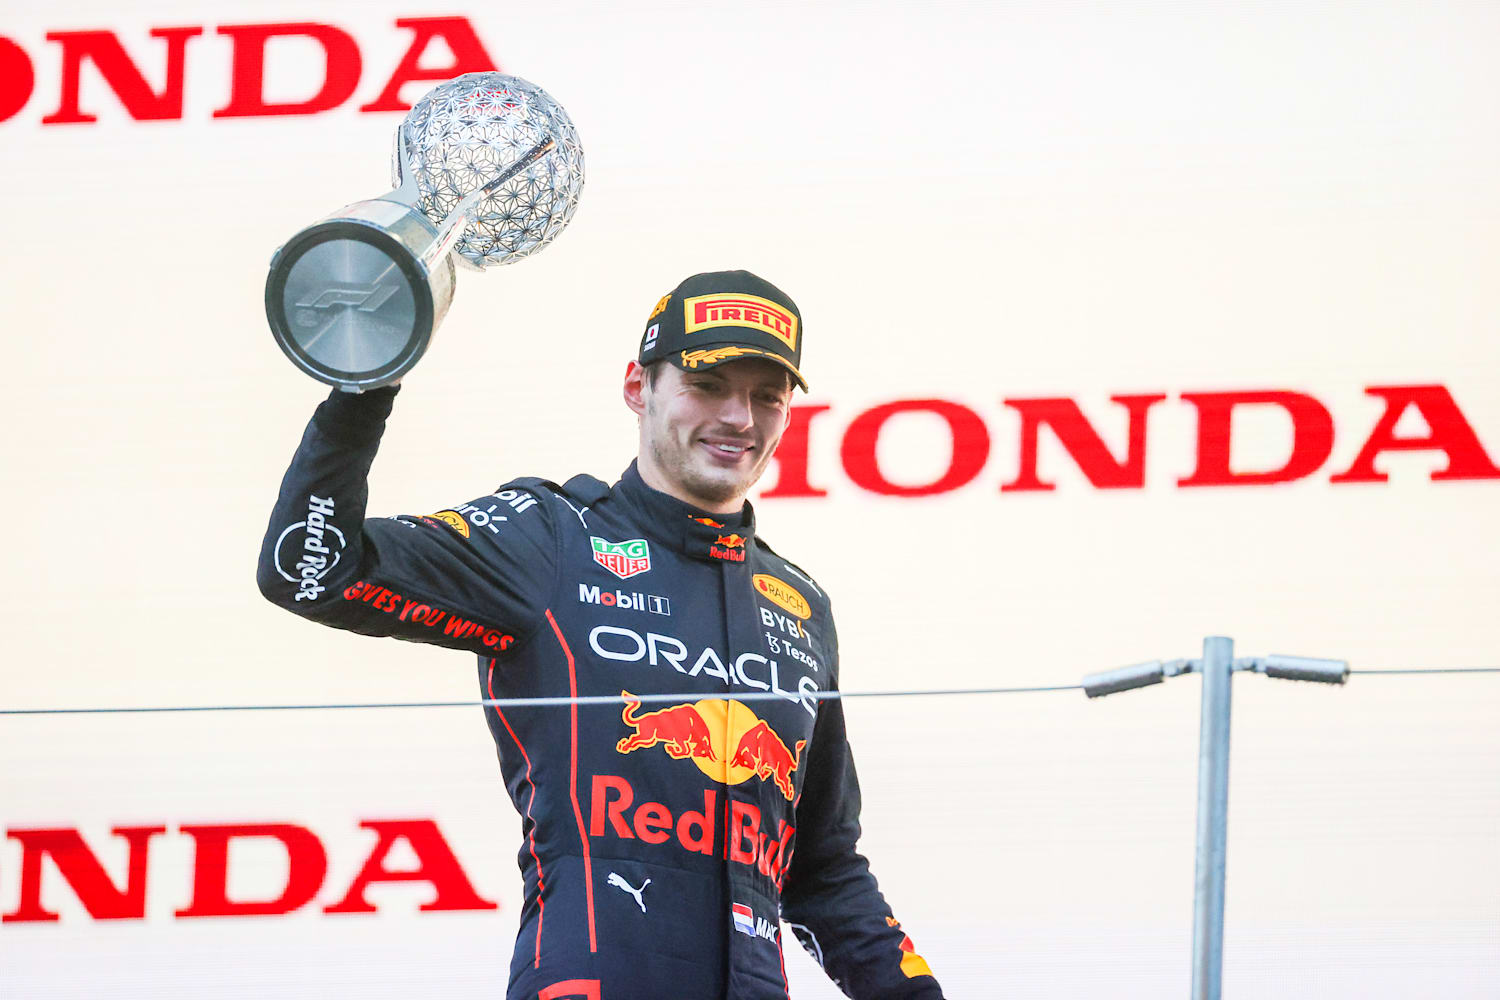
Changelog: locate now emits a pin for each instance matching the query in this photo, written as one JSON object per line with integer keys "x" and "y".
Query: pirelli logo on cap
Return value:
{"x": 704, "y": 312}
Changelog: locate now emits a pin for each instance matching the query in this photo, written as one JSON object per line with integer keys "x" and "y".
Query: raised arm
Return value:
{"x": 474, "y": 577}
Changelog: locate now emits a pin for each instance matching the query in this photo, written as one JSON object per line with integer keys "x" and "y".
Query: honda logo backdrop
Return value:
{"x": 1124, "y": 325}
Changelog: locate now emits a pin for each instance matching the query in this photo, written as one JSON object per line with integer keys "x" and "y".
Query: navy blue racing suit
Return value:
{"x": 665, "y": 842}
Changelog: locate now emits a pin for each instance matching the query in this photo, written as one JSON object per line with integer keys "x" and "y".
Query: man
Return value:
{"x": 666, "y": 839}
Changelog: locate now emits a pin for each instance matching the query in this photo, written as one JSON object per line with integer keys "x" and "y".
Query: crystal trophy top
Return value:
{"x": 488, "y": 170}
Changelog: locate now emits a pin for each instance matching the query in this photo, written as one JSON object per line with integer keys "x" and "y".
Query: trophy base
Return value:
{"x": 353, "y": 299}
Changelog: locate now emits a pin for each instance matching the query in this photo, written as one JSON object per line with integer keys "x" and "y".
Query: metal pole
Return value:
{"x": 1213, "y": 819}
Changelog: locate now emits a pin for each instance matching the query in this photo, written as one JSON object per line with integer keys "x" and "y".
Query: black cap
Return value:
{"x": 723, "y": 316}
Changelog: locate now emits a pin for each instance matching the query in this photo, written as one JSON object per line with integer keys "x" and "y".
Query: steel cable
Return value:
{"x": 564, "y": 701}
{"x": 561, "y": 701}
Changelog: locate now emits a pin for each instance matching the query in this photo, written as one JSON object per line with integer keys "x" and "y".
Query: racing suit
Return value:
{"x": 664, "y": 841}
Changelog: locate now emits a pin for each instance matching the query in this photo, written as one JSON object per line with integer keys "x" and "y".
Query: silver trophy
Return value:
{"x": 487, "y": 168}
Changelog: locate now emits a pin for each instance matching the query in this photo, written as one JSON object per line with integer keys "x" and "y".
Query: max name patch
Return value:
{"x": 704, "y": 312}
{"x": 746, "y": 922}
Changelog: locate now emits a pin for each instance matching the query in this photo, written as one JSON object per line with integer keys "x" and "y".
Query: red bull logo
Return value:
{"x": 679, "y": 729}
{"x": 761, "y": 752}
{"x": 710, "y": 522}
{"x": 728, "y": 547}
{"x": 727, "y": 741}
{"x": 734, "y": 831}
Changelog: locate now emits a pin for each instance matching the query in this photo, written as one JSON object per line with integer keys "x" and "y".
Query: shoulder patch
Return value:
{"x": 581, "y": 490}
{"x": 586, "y": 489}
{"x": 532, "y": 484}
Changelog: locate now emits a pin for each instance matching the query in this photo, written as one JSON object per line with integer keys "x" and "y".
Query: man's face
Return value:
{"x": 707, "y": 435}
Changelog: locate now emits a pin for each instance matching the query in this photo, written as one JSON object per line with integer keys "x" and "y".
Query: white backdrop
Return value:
{"x": 971, "y": 203}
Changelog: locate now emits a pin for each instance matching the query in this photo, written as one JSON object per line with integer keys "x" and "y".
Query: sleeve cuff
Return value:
{"x": 355, "y": 417}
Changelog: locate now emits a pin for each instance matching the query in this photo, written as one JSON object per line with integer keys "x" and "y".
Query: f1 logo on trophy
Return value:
{"x": 487, "y": 169}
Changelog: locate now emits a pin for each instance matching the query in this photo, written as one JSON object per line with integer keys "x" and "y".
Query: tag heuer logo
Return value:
{"x": 623, "y": 559}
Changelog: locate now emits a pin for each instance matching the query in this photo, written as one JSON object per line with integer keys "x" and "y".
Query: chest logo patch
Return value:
{"x": 623, "y": 559}
{"x": 726, "y": 739}
{"x": 782, "y": 593}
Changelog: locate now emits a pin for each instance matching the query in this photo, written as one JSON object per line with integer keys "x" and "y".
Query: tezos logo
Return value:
{"x": 312, "y": 556}
{"x": 623, "y": 559}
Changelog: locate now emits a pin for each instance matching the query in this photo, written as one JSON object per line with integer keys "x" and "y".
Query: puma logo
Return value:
{"x": 620, "y": 883}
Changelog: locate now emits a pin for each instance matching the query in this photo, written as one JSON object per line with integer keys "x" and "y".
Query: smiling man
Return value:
{"x": 721, "y": 783}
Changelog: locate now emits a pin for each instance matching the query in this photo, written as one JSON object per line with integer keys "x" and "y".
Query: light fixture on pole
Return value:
{"x": 1217, "y": 667}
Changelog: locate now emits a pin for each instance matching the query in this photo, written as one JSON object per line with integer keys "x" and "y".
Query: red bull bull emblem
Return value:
{"x": 728, "y": 547}
{"x": 679, "y": 729}
{"x": 623, "y": 559}
{"x": 726, "y": 739}
{"x": 761, "y": 752}
{"x": 708, "y": 521}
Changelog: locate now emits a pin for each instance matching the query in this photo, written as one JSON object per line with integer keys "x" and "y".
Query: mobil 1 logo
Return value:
{"x": 629, "y": 600}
